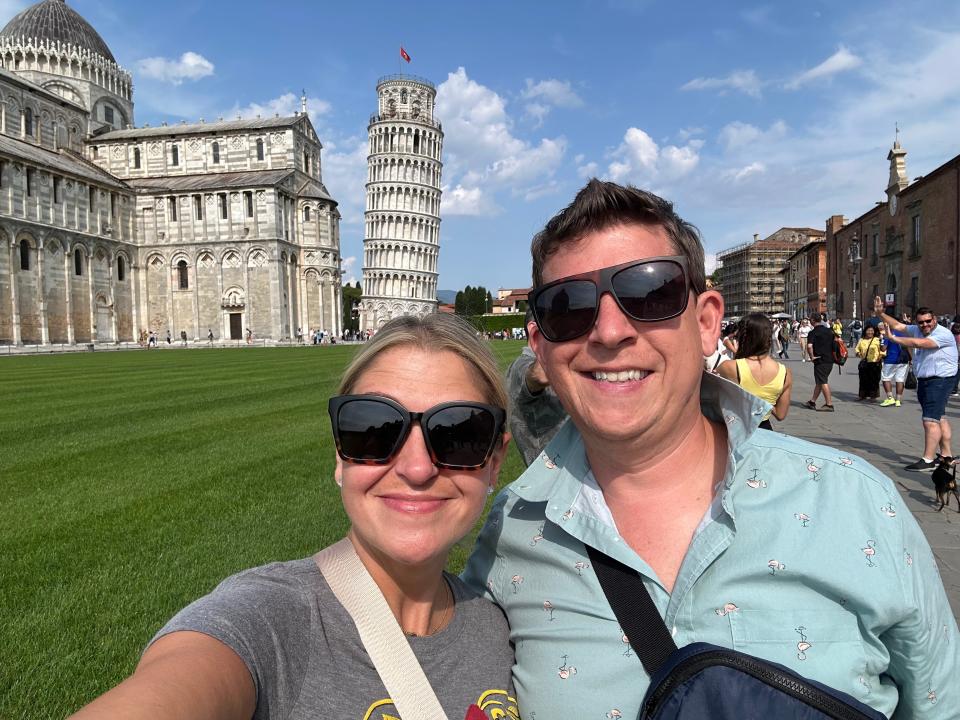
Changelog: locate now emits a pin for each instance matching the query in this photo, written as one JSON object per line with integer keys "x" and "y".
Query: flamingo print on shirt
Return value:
{"x": 753, "y": 482}
{"x": 870, "y": 551}
{"x": 776, "y": 566}
{"x": 813, "y": 469}
{"x": 803, "y": 645}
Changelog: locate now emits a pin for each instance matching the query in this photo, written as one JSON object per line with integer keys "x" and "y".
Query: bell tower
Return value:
{"x": 897, "y": 157}
{"x": 401, "y": 243}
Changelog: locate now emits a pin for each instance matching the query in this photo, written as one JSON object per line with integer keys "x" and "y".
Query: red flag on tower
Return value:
{"x": 404, "y": 54}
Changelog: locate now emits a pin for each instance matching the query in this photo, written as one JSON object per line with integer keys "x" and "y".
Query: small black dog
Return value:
{"x": 945, "y": 482}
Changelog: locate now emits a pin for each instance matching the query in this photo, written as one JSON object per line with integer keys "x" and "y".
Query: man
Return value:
{"x": 744, "y": 539}
{"x": 820, "y": 351}
{"x": 537, "y": 412}
{"x": 896, "y": 365}
{"x": 856, "y": 331}
{"x": 935, "y": 363}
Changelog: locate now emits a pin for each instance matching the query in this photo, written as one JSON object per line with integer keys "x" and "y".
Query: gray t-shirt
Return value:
{"x": 307, "y": 660}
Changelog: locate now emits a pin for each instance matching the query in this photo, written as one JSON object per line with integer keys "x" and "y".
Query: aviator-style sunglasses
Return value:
{"x": 370, "y": 430}
{"x": 646, "y": 290}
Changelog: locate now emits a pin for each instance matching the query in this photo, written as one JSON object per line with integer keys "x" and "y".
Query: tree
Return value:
{"x": 472, "y": 301}
{"x": 351, "y": 306}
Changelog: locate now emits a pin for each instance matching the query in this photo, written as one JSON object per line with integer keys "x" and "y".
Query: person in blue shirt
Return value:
{"x": 935, "y": 363}
{"x": 896, "y": 365}
{"x": 791, "y": 551}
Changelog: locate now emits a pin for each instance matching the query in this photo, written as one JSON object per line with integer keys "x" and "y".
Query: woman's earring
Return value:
{"x": 338, "y": 480}
{"x": 490, "y": 490}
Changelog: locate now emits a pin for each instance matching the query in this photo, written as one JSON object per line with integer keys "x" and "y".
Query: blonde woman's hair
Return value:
{"x": 433, "y": 333}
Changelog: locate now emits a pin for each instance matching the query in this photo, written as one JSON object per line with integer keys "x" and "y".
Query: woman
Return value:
{"x": 871, "y": 352}
{"x": 802, "y": 331}
{"x": 756, "y": 371}
{"x": 420, "y": 402}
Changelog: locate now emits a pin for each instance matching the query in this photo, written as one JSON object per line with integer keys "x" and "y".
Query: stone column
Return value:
{"x": 113, "y": 296}
{"x": 42, "y": 295}
{"x": 301, "y": 281}
{"x": 338, "y": 289}
{"x": 171, "y": 279}
{"x": 333, "y": 306}
{"x": 68, "y": 284}
{"x": 14, "y": 306}
{"x": 224, "y": 317}
{"x": 92, "y": 308}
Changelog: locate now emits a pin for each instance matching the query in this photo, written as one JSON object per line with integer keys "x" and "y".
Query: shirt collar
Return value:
{"x": 557, "y": 473}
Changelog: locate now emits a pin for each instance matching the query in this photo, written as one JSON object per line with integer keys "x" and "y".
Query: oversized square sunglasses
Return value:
{"x": 646, "y": 290}
{"x": 370, "y": 430}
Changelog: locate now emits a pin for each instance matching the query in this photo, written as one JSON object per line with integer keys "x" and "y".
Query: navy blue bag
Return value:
{"x": 703, "y": 681}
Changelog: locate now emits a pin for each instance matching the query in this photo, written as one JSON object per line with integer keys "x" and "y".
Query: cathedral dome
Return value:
{"x": 52, "y": 20}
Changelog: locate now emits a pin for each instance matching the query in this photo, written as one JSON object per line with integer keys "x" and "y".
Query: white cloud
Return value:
{"x": 640, "y": 160}
{"x": 745, "y": 81}
{"x": 466, "y": 201}
{"x": 349, "y": 267}
{"x": 285, "y": 105}
{"x": 740, "y": 174}
{"x": 345, "y": 176}
{"x": 841, "y": 61}
{"x": 558, "y": 93}
{"x": 190, "y": 66}
{"x": 738, "y": 135}
{"x": 482, "y": 154}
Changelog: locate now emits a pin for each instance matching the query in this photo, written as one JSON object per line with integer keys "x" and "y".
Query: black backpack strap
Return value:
{"x": 634, "y": 609}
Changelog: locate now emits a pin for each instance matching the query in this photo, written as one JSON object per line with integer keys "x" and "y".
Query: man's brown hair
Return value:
{"x": 601, "y": 205}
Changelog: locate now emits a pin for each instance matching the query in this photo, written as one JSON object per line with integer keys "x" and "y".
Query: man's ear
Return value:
{"x": 535, "y": 340}
{"x": 338, "y": 472}
{"x": 709, "y": 318}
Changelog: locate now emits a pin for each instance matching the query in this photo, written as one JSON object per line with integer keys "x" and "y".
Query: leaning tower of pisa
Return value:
{"x": 401, "y": 241}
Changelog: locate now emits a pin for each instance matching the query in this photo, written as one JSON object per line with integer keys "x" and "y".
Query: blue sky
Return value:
{"x": 749, "y": 116}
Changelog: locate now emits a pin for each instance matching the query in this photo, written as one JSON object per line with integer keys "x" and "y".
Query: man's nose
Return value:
{"x": 612, "y": 325}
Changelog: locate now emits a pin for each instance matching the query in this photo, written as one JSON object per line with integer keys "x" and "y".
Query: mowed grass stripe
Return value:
{"x": 132, "y": 483}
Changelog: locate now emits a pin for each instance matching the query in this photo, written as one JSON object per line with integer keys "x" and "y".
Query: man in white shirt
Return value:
{"x": 935, "y": 363}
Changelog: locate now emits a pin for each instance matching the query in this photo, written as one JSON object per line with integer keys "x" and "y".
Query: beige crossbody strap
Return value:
{"x": 380, "y": 632}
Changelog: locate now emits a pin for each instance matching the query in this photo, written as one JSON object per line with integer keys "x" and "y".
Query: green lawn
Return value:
{"x": 132, "y": 482}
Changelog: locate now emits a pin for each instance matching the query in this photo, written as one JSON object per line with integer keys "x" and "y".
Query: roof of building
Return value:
{"x": 62, "y": 162}
{"x": 53, "y": 20}
{"x": 210, "y": 181}
{"x": 16, "y": 79}
{"x": 313, "y": 189}
{"x": 204, "y": 128}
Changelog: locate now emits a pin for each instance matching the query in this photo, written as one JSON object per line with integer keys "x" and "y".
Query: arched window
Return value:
{"x": 306, "y": 213}
{"x": 136, "y": 158}
{"x": 306, "y": 163}
{"x": 121, "y": 269}
{"x": 77, "y": 262}
{"x": 403, "y": 96}
{"x": 24, "y": 255}
{"x": 28, "y": 122}
{"x": 216, "y": 153}
{"x": 182, "y": 275}
{"x": 259, "y": 149}
{"x": 174, "y": 155}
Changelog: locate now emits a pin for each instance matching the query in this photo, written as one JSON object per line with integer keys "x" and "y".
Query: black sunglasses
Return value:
{"x": 646, "y": 290}
{"x": 370, "y": 430}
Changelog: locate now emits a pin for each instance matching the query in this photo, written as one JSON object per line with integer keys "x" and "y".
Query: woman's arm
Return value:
{"x": 182, "y": 675}
{"x": 728, "y": 370}
{"x": 782, "y": 406}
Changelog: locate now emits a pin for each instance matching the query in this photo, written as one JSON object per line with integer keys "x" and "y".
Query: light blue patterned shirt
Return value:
{"x": 940, "y": 361}
{"x": 808, "y": 558}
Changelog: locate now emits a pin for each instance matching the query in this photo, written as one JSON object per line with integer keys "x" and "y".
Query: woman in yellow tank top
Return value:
{"x": 755, "y": 371}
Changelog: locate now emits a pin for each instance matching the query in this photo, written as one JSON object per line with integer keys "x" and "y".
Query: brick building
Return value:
{"x": 750, "y": 274}
{"x": 907, "y": 246}
{"x": 805, "y": 279}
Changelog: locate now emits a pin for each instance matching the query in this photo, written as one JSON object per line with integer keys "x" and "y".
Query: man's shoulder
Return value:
{"x": 798, "y": 457}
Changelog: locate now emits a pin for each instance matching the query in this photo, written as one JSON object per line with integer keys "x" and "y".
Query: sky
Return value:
{"x": 748, "y": 116}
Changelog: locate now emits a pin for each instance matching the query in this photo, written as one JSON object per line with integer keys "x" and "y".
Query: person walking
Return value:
{"x": 755, "y": 370}
{"x": 783, "y": 335}
{"x": 935, "y": 363}
{"x": 870, "y": 352}
{"x": 856, "y": 331}
{"x": 820, "y": 350}
{"x": 896, "y": 365}
{"x": 803, "y": 330}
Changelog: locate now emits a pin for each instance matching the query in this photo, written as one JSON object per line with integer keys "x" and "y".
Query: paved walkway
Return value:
{"x": 888, "y": 438}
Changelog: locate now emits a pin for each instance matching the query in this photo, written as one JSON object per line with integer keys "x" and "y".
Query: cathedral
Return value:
{"x": 109, "y": 231}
